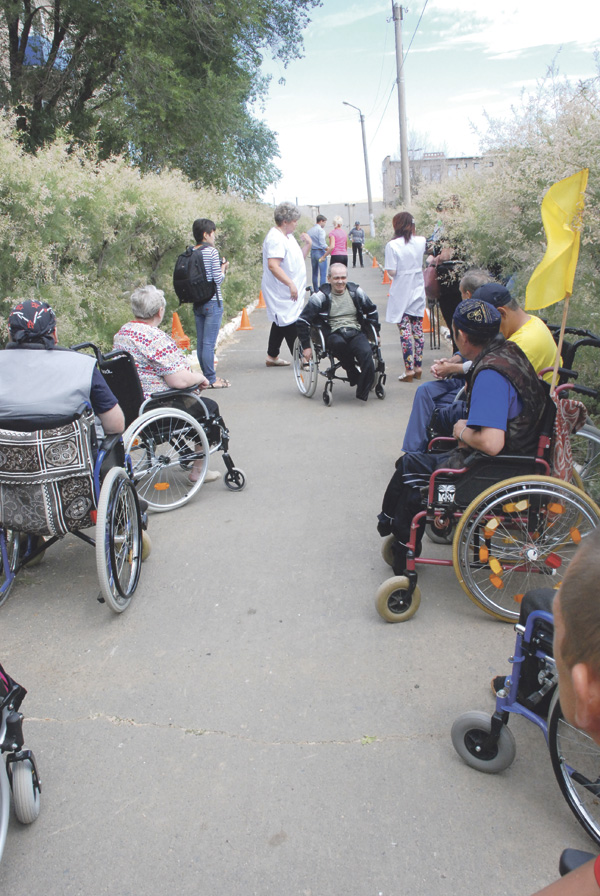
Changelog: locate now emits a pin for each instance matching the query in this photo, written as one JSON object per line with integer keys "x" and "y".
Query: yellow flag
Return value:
{"x": 552, "y": 280}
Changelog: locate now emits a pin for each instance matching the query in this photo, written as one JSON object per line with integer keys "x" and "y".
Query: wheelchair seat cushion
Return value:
{"x": 46, "y": 479}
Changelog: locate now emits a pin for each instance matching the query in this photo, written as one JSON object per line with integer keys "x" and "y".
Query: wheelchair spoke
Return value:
{"x": 164, "y": 448}
{"x": 520, "y": 535}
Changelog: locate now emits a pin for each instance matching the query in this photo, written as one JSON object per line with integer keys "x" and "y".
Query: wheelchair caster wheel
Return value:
{"x": 394, "y": 601}
{"x": 469, "y": 735}
{"x": 387, "y": 549}
{"x": 380, "y": 392}
{"x": 327, "y": 398}
{"x": 235, "y": 480}
{"x": 146, "y": 546}
{"x": 26, "y": 795}
{"x": 439, "y": 536}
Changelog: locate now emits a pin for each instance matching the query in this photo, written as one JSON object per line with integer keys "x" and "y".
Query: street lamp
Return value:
{"x": 364, "y": 138}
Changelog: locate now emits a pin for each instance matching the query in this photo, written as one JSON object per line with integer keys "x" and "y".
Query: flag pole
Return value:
{"x": 561, "y": 338}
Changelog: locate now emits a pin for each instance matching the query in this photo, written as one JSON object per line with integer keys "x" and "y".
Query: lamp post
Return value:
{"x": 364, "y": 139}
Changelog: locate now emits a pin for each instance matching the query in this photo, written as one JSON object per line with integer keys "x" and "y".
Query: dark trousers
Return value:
{"x": 338, "y": 259}
{"x": 403, "y": 499}
{"x": 276, "y": 337}
{"x": 351, "y": 347}
{"x": 357, "y": 247}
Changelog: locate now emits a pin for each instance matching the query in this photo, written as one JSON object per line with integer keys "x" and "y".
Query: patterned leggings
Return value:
{"x": 411, "y": 332}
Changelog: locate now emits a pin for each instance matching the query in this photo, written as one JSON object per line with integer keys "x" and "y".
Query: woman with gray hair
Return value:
{"x": 284, "y": 280}
{"x": 160, "y": 363}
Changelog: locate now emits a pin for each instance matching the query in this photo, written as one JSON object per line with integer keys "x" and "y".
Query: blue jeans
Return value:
{"x": 318, "y": 268}
{"x": 208, "y": 322}
{"x": 428, "y": 396}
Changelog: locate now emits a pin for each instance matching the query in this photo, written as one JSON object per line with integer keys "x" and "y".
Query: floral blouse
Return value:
{"x": 155, "y": 353}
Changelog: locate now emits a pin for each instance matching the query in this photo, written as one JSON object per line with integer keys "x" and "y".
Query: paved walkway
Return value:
{"x": 250, "y": 725}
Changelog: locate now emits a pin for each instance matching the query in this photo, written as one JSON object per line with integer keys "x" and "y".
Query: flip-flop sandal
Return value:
{"x": 220, "y": 383}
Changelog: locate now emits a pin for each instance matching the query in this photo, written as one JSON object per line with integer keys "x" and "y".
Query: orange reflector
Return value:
{"x": 495, "y": 565}
{"x": 492, "y": 524}
{"x": 575, "y": 535}
{"x": 517, "y": 506}
{"x": 161, "y": 486}
{"x": 93, "y": 516}
{"x": 496, "y": 581}
{"x": 553, "y": 561}
{"x": 135, "y": 443}
{"x": 483, "y": 554}
{"x": 518, "y": 598}
{"x": 553, "y": 507}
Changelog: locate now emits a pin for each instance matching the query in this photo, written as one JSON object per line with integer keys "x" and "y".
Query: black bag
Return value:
{"x": 189, "y": 277}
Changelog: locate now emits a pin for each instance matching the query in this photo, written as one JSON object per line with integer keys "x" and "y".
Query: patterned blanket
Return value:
{"x": 46, "y": 483}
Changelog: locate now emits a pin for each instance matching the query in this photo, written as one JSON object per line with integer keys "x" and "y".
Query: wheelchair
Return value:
{"x": 487, "y": 744}
{"x": 18, "y": 772}
{"x": 307, "y": 373}
{"x": 56, "y": 481}
{"x": 165, "y": 434}
{"x": 513, "y": 527}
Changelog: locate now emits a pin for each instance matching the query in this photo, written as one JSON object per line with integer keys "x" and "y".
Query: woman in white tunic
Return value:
{"x": 406, "y": 305}
{"x": 284, "y": 280}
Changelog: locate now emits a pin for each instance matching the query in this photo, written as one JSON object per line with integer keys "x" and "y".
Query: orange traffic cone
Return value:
{"x": 386, "y": 278}
{"x": 245, "y": 323}
{"x": 426, "y": 323}
{"x": 374, "y": 265}
{"x": 261, "y": 301}
{"x": 177, "y": 333}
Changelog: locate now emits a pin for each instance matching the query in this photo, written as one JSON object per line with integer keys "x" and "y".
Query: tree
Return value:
{"x": 170, "y": 82}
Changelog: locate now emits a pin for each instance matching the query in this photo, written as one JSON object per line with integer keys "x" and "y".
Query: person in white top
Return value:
{"x": 284, "y": 280}
{"x": 406, "y": 305}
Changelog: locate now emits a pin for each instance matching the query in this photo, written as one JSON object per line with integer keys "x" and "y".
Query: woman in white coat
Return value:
{"x": 406, "y": 305}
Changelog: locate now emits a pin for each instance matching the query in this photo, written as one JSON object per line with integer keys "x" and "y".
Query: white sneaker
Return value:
{"x": 212, "y": 475}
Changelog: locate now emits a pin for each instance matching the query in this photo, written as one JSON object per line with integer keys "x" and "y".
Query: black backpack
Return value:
{"x": 189, "y": 277}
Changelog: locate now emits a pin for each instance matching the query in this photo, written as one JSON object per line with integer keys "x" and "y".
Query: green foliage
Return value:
{"x": 82, "y": 233}
{"x": 169, "y": 82}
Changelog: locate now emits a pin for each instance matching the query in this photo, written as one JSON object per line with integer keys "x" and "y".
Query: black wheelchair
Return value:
{"x": 307, "y": 373}
{"x": 166, "y": 435}
{"x": 18, "y": 772}
{"x": 512, "y": 526}
{"x": 58, "y": 480}
{"x": 487, "y": 744}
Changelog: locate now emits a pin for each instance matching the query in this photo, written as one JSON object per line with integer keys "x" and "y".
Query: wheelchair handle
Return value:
{"x": 82, "y": 345}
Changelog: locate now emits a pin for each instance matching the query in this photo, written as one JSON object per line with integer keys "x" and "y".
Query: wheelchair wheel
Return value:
{"x": 25, "y": 791}
{"x": 235, "y": 479}
{"x": 163, "y": 445}
{"x": 469, "y": 734}
{"x": 518, "y": 535}
{"x": 393, "y": 602}
{"x": 13, "y": 541}
{"x": 305, "y": 372}
{"x": 576, "y": 764}
{"x": 586, "y": 459}
{"x": 380, "y": 391}
{"x": 118, "y": 540}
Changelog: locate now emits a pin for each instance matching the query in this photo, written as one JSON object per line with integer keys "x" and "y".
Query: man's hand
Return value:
{"x": 458, "y": 430}
{"x": 447, "y": 367}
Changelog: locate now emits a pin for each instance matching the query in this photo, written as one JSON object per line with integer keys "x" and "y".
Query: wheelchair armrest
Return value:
{"x": 108, "y": 442}
{"x": 171, "y": 393}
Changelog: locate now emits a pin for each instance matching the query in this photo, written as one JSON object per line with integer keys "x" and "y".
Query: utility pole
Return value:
{"x": 404, "y": 165}
{"x": 364, "y": 139}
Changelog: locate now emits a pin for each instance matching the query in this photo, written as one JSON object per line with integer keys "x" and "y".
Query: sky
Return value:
{"x": 464, "y": 59}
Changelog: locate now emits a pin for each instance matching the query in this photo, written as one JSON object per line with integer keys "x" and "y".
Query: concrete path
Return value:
{"x": 250, "y": 725}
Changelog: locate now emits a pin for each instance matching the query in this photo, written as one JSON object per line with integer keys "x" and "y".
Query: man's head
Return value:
{"x": 475, "y": 323}
{"x": 32, "y": 321}
{"x": 577, "y": 638}
{"x": 357, "y": 223}
{"x": 510, "y": 311}
{"x": 322, "y": 220}
{"x": 338, "y": 277}
{"x": 472, "y": 280}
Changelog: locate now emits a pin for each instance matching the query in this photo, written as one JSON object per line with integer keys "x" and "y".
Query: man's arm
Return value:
{"x": 113, "y": 421}
{"x": 486, "y": 439}
{"x": 581, "y": 882}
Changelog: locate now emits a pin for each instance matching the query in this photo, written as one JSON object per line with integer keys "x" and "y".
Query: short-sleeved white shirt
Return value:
{"x": 281, "y": 310}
